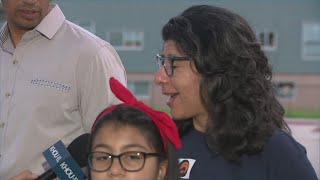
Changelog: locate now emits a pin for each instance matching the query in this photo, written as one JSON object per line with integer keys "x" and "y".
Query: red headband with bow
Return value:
{"x": 163, "y": 121}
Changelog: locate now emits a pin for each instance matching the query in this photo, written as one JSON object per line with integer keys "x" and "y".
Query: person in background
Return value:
{"x": 53, "y": 83}
{"x": 132, "y": 141}
{"x": 218, "y": 81}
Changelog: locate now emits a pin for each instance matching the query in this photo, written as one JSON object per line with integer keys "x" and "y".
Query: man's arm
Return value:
{"x": 93, "y": 76}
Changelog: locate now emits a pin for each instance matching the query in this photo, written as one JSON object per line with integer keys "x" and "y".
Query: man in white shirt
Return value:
{"x": 54, "y": 83}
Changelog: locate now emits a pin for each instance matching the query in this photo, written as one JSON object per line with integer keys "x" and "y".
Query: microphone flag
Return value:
{"x": 62, "y": 163}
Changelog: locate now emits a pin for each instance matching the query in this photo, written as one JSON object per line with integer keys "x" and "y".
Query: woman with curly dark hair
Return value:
{"x": 218, "y": 80}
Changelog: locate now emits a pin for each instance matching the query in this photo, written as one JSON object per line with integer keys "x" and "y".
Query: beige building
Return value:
{"x": 302, "y": 91}
{"x": 289, "y": 31}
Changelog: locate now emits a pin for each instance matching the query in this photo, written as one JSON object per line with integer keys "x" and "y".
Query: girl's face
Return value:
{"x": 117, "y": 139}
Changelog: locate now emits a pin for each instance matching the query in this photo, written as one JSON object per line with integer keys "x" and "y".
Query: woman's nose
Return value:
{"x": 160, "y": 77}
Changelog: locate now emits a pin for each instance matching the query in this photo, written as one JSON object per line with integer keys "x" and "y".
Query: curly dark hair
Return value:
{"x": 235, "y": 87}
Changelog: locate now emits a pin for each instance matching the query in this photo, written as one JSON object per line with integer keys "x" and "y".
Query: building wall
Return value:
{"x": 156, "y": 99}
{"x": 283, "y": 18}
{"x": 306, "y": 93}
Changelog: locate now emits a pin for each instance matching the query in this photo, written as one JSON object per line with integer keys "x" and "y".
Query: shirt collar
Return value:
{"x": 50, "y": 25}
{"x": 4, "y": 33}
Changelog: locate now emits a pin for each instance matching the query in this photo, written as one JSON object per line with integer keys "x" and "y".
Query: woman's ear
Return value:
{"x": 163, "y": 166}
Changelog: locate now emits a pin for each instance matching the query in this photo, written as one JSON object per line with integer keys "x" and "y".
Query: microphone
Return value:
{"x": 66, "y": 163}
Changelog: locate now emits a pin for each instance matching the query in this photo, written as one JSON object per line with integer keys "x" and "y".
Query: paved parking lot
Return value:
{"x": 307, "y": 132}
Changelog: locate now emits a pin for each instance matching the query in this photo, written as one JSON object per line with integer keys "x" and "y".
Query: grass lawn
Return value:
{"x": 292, "y": 113}
{"x": 303, "y": 113}
{"x": 163, "y": 108}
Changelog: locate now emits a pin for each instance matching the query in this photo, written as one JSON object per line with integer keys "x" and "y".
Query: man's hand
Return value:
{"x": 24, "y": 175}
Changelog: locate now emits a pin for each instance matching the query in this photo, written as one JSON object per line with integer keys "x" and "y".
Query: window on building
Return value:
{"x": 285, "y": 89}
{"x": 141, "y": 89}
{"x": 128, "y": 40}
{"x": 311, "y": 41}
{"x": 268, "y": 40}
{"x": 87, "y": 24}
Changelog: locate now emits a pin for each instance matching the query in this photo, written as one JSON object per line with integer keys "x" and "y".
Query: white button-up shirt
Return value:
{"x": 53, "y": 86}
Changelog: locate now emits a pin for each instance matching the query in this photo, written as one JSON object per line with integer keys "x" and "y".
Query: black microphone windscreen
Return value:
{"x": 78, "y": 149}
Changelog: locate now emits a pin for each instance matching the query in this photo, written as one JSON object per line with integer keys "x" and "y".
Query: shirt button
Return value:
{"x": 7, "y": 94}
{"x": 1, "y": 125}
{"x": 15, "y": 62}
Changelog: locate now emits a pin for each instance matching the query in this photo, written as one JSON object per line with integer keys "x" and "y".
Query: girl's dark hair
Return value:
{"x": 236, "y": 87}
{"x": 130, "y": 116}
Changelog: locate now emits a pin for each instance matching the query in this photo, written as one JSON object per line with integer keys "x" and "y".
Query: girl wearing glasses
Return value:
{"x": 218, "y": 81}
{"x": 131, "y": 141}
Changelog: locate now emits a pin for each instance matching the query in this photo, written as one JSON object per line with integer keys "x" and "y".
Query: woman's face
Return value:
{"x": 182, "y": 88}
{"x": 115, "y": 140}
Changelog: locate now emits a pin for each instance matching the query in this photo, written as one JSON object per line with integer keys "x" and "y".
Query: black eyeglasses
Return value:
{"x": 131, "y": 161}
{"x": 167, "y": 62}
